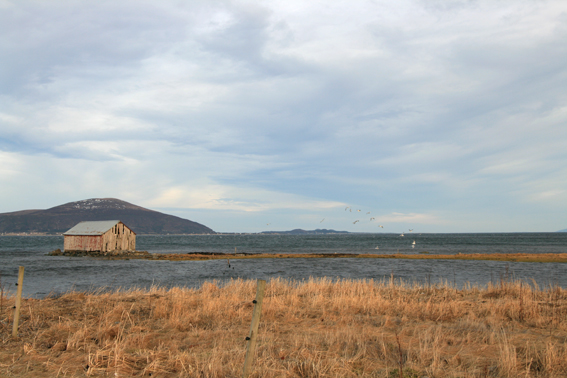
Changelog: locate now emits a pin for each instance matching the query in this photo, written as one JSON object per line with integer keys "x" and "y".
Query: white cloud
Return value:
{"x": 413, "y": 107}
{"x": 10, "y": 166}
{"x": 218, "y": 197}
{"x": 412, "y": 218}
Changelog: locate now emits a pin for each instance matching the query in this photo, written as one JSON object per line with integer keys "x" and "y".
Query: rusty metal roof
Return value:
{"x": 92, "y": 228}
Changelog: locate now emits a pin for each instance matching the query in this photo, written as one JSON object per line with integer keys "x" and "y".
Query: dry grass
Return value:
{"x": 314, "y": 328}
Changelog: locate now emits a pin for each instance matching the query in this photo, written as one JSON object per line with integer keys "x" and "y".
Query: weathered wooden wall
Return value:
{"x": 119, "y": 238}
{"x": 82, "y": 242}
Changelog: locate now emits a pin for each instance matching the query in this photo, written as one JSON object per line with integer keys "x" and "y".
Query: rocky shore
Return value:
{"x": 130, "y": 254}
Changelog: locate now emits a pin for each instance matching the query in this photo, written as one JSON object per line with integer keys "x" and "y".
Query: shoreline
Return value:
{"x": 199, "y": 256}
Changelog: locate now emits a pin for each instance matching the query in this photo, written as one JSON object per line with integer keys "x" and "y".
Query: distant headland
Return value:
{"x": 59, "y": 219}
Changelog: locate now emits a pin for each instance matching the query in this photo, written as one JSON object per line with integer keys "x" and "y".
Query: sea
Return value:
{"x": 54, "y": 275}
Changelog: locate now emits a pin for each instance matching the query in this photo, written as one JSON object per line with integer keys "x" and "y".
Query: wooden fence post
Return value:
{"x": 18, "y": 302}
{"x": 251, "y": 346}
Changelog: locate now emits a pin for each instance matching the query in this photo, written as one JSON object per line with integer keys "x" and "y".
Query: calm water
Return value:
{"x": 48, "y": 274}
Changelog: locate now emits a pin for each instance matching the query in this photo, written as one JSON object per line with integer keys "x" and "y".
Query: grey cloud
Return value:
{"x": 42, "y": 41}
{"x": 420, "y": 110}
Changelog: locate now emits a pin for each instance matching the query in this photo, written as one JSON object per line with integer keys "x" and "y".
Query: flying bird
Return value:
{"x": 411, "y": 230}
{"x": 322, "y": 220}
{"x": 372, "y": 218}
{"x": 346, "y": 208}
{"x": 402, "y": 234}
{"x": 381, "y": 226}
{"x": 368, "y": 212}
{"x": 355, "y": 221}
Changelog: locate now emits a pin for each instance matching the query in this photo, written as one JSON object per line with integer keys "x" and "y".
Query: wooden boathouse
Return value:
{"x": 100, "y": 236}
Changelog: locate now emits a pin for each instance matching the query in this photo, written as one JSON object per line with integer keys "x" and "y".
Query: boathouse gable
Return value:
{"x": 100, "y": 236}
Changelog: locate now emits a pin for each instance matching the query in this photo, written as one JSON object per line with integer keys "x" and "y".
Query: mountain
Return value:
{"x": 298, "y": 231}
{"x": 59, "y": 219}
{"x": 565, "y": 230}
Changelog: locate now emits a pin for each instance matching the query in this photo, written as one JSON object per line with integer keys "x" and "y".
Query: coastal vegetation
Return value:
{"x": 311, "y": 328}
{"x": 122, "y": 255}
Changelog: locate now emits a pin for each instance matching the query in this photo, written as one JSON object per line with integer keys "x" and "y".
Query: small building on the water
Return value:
{"x": 100, "y": 236}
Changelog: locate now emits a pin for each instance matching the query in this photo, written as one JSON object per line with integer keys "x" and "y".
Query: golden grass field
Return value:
{"x": 313, "y": 328}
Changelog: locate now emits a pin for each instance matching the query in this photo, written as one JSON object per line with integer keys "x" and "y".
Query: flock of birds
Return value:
{"x": 358, "y": 220}
{"x": 371, "y": 219}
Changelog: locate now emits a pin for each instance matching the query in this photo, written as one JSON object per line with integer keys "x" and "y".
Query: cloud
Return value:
{"x": 411, "y": 218}
{"x": 227, "y": 198}
{"x": 410, "y": 107}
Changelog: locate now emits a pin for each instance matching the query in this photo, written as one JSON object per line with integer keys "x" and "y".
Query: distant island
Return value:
{"x": 59, "y": 219}
{"x": 565, "y": 230}
{"x": 298, "y": 231}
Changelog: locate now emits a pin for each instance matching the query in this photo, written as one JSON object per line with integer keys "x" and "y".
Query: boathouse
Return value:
{"x": 100, "y": 236}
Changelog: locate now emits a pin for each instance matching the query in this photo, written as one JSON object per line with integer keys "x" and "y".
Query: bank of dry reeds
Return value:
{"x": 314, "y": 328}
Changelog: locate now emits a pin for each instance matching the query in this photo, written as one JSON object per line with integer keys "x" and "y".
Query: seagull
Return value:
{"x": 381, "y": 226}
{"x": 346, "y": 208}
{"x": 355, "y": 221}
{"x": 411, "y": 230}
{"x": 402, "y": 234}
{"x": 372, "y": 218}
{"x": 376, "y": 248}
{"x": 322, "y": 220}
{"x": 413, "y": 242}
{"x": 358, "y": 210}
{"x": 368, "y": 212}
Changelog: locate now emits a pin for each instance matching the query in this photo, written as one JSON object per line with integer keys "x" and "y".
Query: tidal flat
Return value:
{"x": 198, "y": 256}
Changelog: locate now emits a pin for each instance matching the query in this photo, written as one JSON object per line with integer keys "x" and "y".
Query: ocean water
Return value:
{"x": 52, "y": 275}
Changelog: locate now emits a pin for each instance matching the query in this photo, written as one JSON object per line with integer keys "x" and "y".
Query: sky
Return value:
{"x": 247, "y": 116}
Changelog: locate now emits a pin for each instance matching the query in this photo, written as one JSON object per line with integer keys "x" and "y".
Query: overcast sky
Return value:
{"x": 245, "y": 116}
